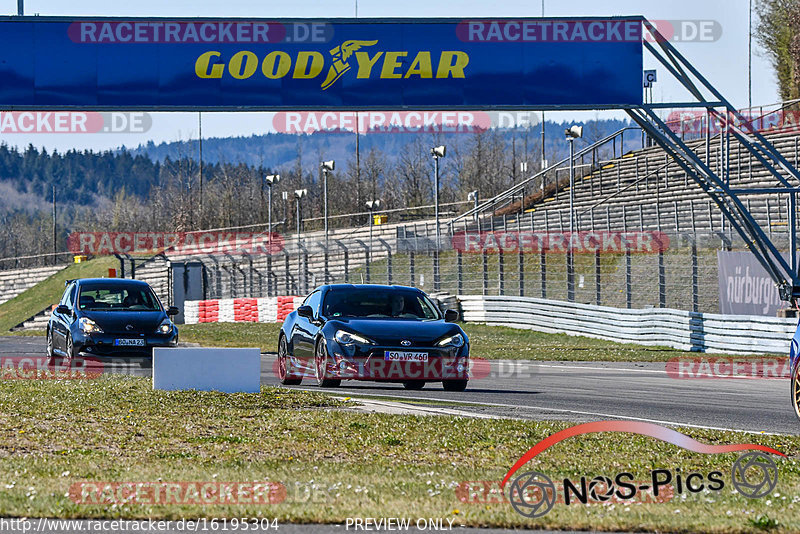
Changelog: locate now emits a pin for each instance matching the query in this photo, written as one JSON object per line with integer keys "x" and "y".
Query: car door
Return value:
{"x": 62, "y": 321}
{"x": 305, "y": 330}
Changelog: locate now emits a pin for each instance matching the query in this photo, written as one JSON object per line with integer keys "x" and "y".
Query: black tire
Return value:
{"x": 70, "y": 350}
{"x": 414, "y": 384}
{"x": 286, "y": 377}
{"x": 795, "y": 390}
{"x": 455, "y": 385}
{"x": 321, "y": 367}
{"x": 51, "y": 356}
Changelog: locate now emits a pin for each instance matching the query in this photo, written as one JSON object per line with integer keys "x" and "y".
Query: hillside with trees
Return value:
{"x": 161, "y": 188}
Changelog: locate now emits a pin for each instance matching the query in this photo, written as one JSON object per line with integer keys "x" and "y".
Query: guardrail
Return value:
{"x": 700, "y": 332}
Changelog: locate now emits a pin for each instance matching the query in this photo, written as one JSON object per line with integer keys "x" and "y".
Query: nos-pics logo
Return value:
{"x": 533, "y": 494}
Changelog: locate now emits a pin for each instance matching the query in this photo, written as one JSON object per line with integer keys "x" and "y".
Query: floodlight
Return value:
{"x": 574, "y": 131}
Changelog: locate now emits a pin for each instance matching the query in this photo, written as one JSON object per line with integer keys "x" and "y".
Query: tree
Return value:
{"x": 778, "y": 33}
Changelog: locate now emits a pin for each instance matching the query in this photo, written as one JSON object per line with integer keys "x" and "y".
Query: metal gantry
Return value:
{"x": 714, "y": 182}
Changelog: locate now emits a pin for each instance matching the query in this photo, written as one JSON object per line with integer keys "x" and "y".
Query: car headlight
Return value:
{"x": 88, "y": 326}
{"x": 348, "y": 338}
{"x": 165, "y": 327}
{"x": 456, "y": 340}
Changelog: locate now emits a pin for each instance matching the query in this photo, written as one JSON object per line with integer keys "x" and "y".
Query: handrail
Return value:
{"x": 521, "y": 185}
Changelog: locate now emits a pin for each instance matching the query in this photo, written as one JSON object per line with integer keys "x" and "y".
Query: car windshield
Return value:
{"x": 379, "y": 303}
{"x": 117, "y": 298}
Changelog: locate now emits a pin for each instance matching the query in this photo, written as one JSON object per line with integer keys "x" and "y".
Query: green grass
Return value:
{"x": 337, "y": 464}
{"x": 49, "y": 291}
{"x": 490, "y": 342}
{"x": 262, "y": 335}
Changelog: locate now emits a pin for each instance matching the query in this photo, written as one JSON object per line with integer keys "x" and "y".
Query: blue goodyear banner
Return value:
{"x": 49, "y": 63}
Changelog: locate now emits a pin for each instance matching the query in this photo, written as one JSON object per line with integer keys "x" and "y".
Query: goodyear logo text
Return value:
{"x": 358, "y": 56}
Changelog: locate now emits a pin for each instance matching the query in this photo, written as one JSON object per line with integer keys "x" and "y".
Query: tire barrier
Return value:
{"x": 241, "y": 310}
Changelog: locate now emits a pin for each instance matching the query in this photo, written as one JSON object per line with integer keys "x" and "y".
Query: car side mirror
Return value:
{"x": 450, "y": 316}
{"x": 305, "y": 311}
{"x": 63, "y": 309}
{"x": 173, "y": 310}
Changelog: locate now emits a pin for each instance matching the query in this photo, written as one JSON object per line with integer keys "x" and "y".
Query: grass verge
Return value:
{"x": 491, "y": 342}
{"x": 337, "y": 464}
{"x": 49, "y": 291}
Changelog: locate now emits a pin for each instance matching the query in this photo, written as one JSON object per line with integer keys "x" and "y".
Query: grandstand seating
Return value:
{"x": 645, "y": 190}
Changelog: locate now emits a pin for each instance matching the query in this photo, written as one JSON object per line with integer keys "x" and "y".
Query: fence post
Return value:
{"x": 662, "y": 281}
{"x": 597, "y": 286}
{"x": 346, "y": 266}
{"x": 411, "y": 269}
{"x": 628, "y": 284}
{"x": 367, "y": 257}
{"x": 437, "y": 281}
{"x": 501, "y": 282}
{"x": 460, "y": 272}
{"x": 269, "y": 274}
{"x": 485, "y": 258}
{"x": 520, "y": 267}
{"x": 543, "y": 270}
{"x": 570, "y": 273}
{"x": 325, "y": 267}
{"x": 305, "y": 289}
{"x": 288, "y": 275}
{"x": 694, "y": 275}
{"x": 388, "y": 260}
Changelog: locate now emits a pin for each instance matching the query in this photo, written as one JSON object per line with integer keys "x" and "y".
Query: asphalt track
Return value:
{"x": 571, "y": 391}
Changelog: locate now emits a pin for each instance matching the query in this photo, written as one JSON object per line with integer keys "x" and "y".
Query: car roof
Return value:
{"x": 340, "y": 287}
{"x": 111, "y": 281}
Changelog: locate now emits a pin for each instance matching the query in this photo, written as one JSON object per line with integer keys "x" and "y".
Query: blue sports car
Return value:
{"x": 372, "y": 332}
{"x": 794, "y": 364}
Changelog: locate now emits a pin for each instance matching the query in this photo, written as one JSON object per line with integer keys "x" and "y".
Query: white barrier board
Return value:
{"x": 207, "y": 369}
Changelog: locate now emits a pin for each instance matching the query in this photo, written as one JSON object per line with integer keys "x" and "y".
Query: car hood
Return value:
{"x": 393, "y": 331}
{"x": 144, "y": 322}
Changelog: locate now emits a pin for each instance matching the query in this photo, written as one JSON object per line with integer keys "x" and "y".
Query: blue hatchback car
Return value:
{"x": 106, "y": 316}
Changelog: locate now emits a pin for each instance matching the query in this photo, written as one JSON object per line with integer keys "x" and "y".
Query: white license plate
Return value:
{"x": 139, "y": 342}
{"x": 401, "y": 356}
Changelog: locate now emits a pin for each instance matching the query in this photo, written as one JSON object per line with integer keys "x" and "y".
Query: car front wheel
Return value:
{"x": 321, "y": 367}
{"x": 285, "y": 373}
{"x": 50, "y": 353}
{"x": 70, "y": 350}
{"x": 796, "y": 390}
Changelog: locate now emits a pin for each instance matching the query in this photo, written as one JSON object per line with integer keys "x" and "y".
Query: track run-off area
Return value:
{"x": 570, "y": 391}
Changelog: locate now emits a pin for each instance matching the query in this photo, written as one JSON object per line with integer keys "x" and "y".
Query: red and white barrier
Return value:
{"x": 243, "y": 310}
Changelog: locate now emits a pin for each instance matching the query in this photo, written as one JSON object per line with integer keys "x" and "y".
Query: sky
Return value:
{"x": 724, "y": 61}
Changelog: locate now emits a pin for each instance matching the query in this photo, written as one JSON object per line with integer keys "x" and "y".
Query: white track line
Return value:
{"x": 660, "y": 371}
{"x": 339, "y": 392}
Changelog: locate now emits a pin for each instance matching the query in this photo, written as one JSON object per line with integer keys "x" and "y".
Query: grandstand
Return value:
{"x": 640, "y": 190}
